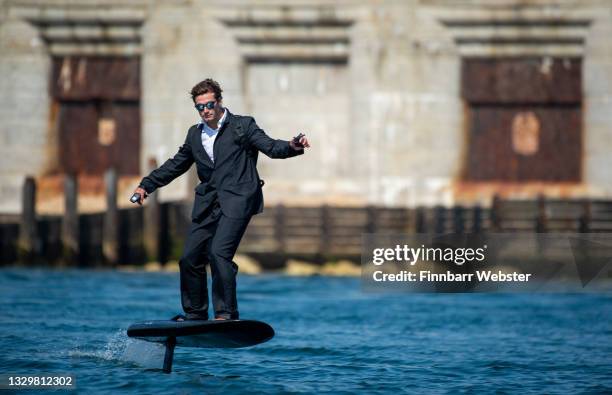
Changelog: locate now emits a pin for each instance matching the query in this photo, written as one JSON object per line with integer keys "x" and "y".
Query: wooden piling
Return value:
{"x": 326, "y": 231}
{"x": 28, "y": 244}
{"x": 458, "y": 220}
{"x": 496, "y": 220}
{"x": 279, "y": 229}
{"x": 440, "y": 220}
{"x": 152, "y": 223}
{"x": 419, "y": 220}
{"x": 70, "y": 222}
{"x": 372, "y": 220}
{"x": 542, "y": 220}
{"x": 477, "y": 219}
{"x": 110, "y": 232}
{"x": 584, "y": 222}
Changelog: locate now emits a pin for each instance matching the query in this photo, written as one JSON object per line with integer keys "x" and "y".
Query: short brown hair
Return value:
{"x": 206, "y": 86}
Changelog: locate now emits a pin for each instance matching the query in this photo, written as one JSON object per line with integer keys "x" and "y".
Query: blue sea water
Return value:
{"x": 330, "y": 337}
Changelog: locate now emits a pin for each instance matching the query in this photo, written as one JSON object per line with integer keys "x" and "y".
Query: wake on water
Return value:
{"x": 121, "y": 348}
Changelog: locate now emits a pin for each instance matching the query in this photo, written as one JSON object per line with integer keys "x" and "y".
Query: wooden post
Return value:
{"x": 477, "y": 224}
{"x": 584, "y": 224}
{"x": 408, "y": 225}
{"x": 419, "y": 220}
{"x": 70, "y": 222}
{"x": 152, "y": 223}
{"x": 28, "y": 244}
{"x": 279, "y": 229}
{"x": 110, "y": 235}
{"x": 439, "y": 218}
{"x": 541, "y": 221}
{"x": 371, "y": 220}
{"x": 324, "y": 244}
{"x": 496, "y": 213}
{"x": 458, "y": 219}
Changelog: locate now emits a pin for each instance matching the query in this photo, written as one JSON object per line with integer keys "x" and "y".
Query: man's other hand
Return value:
{"x": 303, "y": 143}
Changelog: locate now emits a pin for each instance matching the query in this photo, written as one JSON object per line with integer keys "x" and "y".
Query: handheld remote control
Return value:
{"x": 135, "y": 198}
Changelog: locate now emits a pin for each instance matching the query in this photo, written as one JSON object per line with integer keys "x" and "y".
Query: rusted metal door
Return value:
{"x": 99, "y": 114}
{"x": 524, "y": 119}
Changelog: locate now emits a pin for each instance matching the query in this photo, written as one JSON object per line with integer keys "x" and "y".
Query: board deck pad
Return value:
{"x": 205, "y": 334}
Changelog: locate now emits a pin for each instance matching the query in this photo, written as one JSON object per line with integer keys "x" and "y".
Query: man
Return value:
{"x": 224, "y": 148}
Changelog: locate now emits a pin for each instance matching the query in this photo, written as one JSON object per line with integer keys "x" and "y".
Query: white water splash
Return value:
{"x": 123, "y": 349}
{"x": 146, "y": 354}
{"x": 115, "y": 347}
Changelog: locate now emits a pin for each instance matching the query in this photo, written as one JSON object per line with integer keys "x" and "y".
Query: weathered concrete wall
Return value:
{"x": 25, "y": 141}
{"x": 381, "y": 104}
{"x": 597, "y": 81}
{"x": 408, "y": 117}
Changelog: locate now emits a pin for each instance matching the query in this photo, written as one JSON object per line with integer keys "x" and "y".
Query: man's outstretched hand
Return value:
{"x": 142, "y": 193}
{"x": 299, "y": 142}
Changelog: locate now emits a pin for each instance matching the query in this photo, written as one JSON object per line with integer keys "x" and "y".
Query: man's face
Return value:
{"x": 208, "y": 100}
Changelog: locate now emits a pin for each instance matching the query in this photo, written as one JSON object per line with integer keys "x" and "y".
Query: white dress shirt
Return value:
{"x": 209, "y": 134}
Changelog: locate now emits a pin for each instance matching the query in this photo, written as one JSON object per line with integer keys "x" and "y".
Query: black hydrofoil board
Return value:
{"x": 205, "y": 334}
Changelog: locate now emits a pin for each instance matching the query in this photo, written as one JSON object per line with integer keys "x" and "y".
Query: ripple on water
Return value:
{"x": 330, "y": 337}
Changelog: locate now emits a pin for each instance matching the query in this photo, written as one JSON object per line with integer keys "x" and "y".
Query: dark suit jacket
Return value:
{"x": 232, "y": 180}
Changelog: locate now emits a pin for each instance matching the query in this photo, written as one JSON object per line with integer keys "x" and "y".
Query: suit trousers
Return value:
{"x": 212, "y": 241}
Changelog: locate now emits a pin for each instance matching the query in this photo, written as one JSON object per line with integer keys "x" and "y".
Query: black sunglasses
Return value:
{"x": 210, "y": 105}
